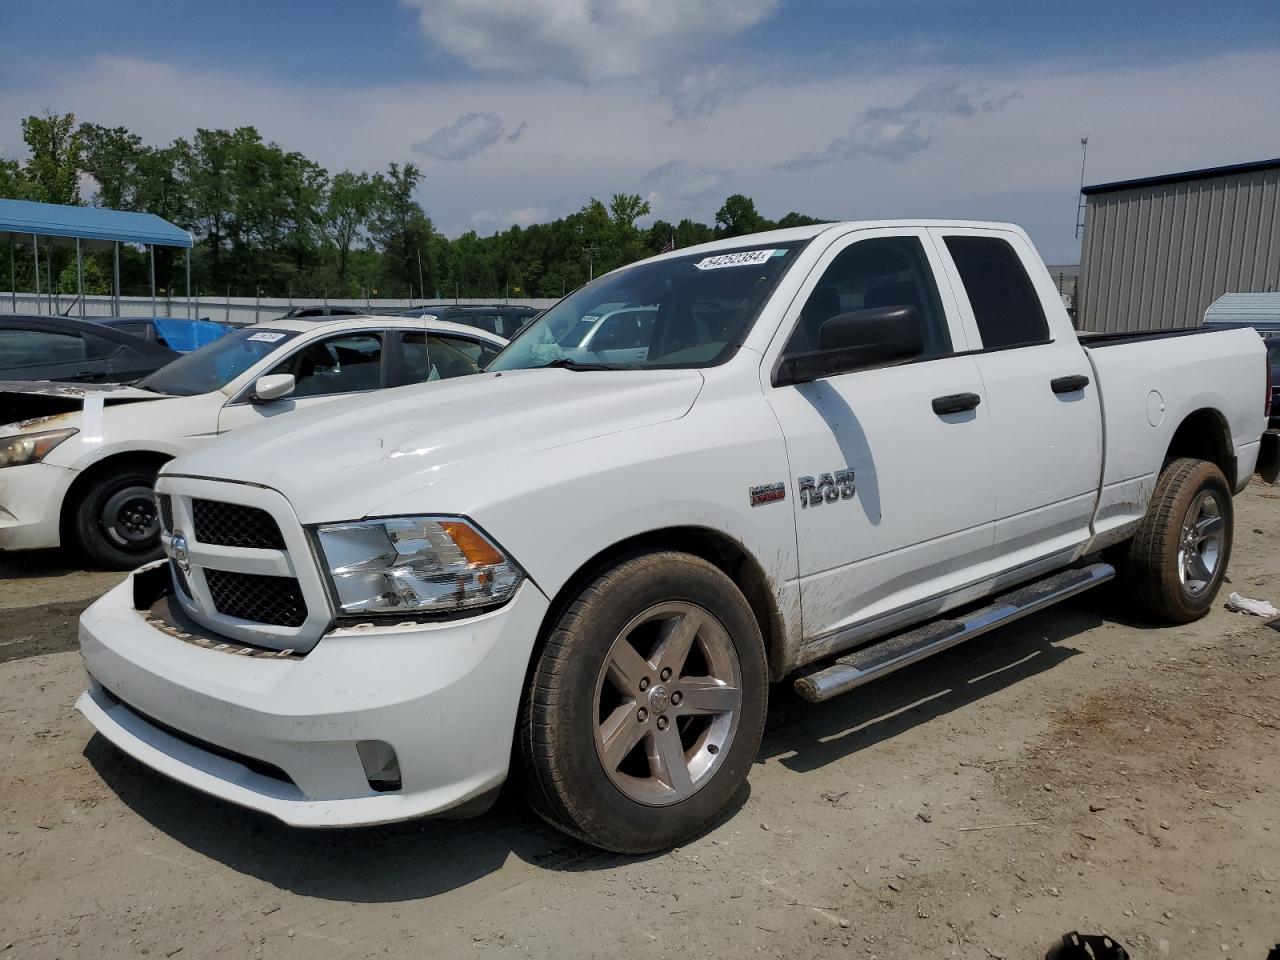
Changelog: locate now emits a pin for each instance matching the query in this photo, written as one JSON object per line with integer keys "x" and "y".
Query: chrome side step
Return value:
{"x": 874, "y": 661}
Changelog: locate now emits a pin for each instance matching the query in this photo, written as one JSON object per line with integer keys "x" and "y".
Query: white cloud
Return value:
{"x": 896, "y": 133}
{"x": 522, "y": 216}
{"x": 470, "y": 134}
{"x": 1020, "y": 163}
{"x": 676, "y": 185}
{"x": 698, "y": 94}
{"x": 581, "y": 39}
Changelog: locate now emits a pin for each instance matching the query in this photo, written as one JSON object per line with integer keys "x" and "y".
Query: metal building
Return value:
{"x": 1158, "y": 250}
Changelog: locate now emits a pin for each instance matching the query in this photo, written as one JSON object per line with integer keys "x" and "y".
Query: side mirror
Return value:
{"x": 273, "y": 386}
{"x": 858, "y": 340}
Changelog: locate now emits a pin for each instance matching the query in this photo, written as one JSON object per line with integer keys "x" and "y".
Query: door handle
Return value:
{"x": 955, "y": 403}
{"x": 1069, "y": 384}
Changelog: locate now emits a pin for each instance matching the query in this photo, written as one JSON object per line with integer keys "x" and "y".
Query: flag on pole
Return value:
{"x": 669, "y": 245}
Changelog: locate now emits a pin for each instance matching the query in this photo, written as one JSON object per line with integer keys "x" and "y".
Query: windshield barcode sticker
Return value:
{"x": 266, "y": 337}
{"x": 747, "y": 258}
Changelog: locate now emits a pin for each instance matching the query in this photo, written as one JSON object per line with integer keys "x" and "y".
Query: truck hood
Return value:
{"x": 342, "y": 461}
{"x": 41, "y": 404}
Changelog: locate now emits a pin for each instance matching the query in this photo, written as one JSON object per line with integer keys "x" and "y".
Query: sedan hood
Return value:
{"x": 344, "y": 460}
{"x": 40, "y": 404}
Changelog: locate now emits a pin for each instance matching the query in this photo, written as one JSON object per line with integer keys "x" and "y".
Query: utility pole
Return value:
{"x": 1084, "y": 156}
{"x": 592, "y": 250}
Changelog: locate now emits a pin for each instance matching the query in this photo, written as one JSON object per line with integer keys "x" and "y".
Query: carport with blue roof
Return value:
{"x": 90, "y": 228}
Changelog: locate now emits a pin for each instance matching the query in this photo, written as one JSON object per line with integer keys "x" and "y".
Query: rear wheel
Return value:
{"x": 117, "y": 521}
{"x": 1176, "y": 562}
{"x": 646, "y": 706}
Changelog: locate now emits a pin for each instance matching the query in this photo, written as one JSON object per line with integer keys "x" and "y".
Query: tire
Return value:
{"x": 1190, "y": 516}
{"x": 117, "y": 523}
{"x": 576, "y": 713}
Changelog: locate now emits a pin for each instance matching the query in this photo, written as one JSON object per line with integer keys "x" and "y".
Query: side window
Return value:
{"x": 627, "y": 330}
{"x": 344, "y": 364}
{"x": 430, "y": 357}
{"x": 491, "y": 323}
{"x": 881, "y": 272}
{"x": 25, "y": 348}
{"x": 1005, "y": 305}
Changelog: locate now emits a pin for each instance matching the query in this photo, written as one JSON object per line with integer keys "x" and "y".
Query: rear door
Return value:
{"x": 891, "y": 493}
{"x": 1045, "y": 416}
{"x": 325, "y": 369}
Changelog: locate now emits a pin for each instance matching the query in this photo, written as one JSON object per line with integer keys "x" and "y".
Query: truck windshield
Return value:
{"x": 215, "y": 365}
{"x": 691, "y": 311}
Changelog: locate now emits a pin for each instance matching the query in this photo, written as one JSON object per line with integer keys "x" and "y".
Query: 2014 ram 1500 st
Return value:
{"x": 833, "y": 451}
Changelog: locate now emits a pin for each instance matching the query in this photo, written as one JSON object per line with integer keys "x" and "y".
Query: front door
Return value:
{"x": 892, "y": 497}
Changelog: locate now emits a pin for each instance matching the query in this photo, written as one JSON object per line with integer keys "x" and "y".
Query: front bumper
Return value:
{"x": 31, "y": 505}
{"x": 443, "y": 695}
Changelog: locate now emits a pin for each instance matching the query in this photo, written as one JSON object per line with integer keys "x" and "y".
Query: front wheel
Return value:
{"x": 646, "y": 706}
{"x": 117, "y": 522}
{"x": 1176, "y": 562}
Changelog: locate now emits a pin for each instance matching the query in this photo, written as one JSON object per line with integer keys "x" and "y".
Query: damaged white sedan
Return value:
{"x": 77, "y": 462}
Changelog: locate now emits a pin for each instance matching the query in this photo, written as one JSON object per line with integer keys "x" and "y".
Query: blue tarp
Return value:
{"x": 25, "y": 217}
{"x": 187, "y": 335}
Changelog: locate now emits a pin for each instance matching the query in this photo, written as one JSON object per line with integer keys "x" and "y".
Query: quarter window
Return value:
{"x": 1005, "y": 305}
{"x": 881, "y": 272}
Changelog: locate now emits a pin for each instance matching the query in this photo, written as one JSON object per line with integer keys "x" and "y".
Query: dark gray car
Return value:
{"x": 63, "y": 348}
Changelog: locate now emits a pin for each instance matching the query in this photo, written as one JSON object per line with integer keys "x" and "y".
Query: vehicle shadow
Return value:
{"x": 806, "y": 736}
{"x": 422, "y": 859}
{"x": 393, "y": 863}
{"x": 29, "y": 564}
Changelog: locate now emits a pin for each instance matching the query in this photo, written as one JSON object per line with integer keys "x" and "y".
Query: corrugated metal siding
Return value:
{"x": 1263, "y": 308}
{"x": 1155, "y": 257}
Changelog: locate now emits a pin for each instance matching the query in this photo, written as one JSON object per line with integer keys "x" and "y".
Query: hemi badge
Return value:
{"x": 768, "y": 493}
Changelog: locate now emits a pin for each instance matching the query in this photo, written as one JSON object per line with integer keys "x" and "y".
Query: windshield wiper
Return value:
{"x": 568, "y": 363}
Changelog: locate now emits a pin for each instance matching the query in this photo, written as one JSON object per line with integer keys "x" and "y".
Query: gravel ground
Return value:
{"x": 1079, "y": 770}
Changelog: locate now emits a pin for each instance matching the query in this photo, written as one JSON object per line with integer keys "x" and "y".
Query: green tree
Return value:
{"x": 14, "y": 184}
{"x": 347, "y": 209}
{"x": 112, "y": 157}
{"x": 794, "y": 219}
{"x": 53, "y": 168}
{"x": 690, "y": 233}
{"x": 95, "y": 278}
{"x": 402, "y": 229}
{"x": 738, "y": 216}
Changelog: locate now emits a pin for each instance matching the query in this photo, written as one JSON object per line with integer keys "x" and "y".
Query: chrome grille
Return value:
{"x": 165, "y": 503}
{"x": 235, "y": 525}
{"x": 180, "y": 579}
{"x": 262, "y": 599}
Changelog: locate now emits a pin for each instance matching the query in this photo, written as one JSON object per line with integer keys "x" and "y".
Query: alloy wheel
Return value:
{"x": 667, "y": 701}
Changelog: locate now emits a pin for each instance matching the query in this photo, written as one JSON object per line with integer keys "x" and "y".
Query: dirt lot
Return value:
{"x": 1079, "y": 770}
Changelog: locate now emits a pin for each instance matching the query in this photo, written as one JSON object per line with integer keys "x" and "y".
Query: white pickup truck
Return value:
{"x": 845, "y": 447}
{"x": 77, "y": 462}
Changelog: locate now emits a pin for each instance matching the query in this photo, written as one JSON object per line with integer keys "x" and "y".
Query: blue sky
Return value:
{"x": 521, "y": 109}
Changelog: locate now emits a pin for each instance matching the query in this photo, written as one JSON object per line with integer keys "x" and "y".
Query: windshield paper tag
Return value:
{"x": 747, "y": 258}
{"x": 266, "y": 337}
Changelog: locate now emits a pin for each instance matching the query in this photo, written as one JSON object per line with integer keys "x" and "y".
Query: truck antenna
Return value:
{"x": 1084, "y": 156}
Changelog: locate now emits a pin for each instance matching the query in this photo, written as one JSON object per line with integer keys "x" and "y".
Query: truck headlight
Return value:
{"x": 415, "y": 564}
{"x": 31, "y": 447}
